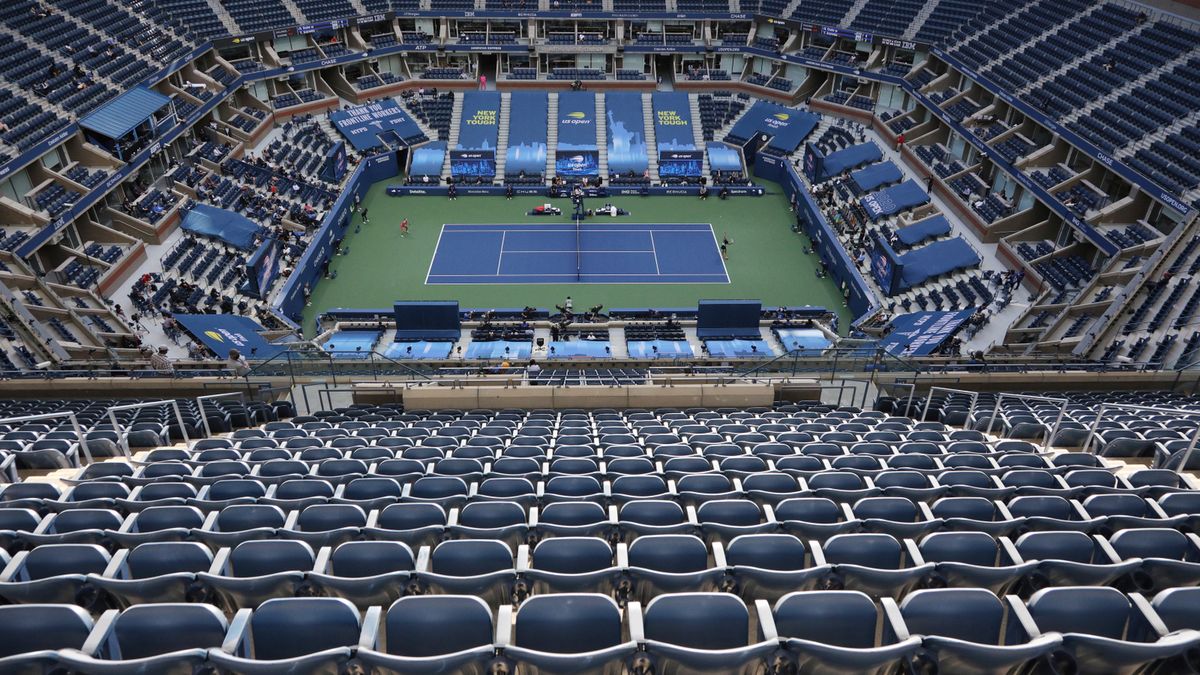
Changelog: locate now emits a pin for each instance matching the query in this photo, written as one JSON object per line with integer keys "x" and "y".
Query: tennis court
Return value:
{"x": 598, "y": 253}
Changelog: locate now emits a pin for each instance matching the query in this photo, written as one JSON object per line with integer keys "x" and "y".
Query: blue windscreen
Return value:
{"x": 479, "y": 127}
{"x": 626, "y": 133}
{"x": 673, "y": 121}
{"x": 526, "y": 133}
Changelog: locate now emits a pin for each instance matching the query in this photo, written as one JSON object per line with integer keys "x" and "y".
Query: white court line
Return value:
{"x": 590, "y": 274}
{"x": 724, "y": 267}
{"x": 654, "y": 250}
{"x": 500, "y": 257}
{"x": 586, "y": 250}
{"x": 429, "y": 272}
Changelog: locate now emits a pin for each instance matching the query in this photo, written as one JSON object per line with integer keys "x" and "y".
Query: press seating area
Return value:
{"x": 576, "y": 74}
{"x": 379, "y": 538}
{"x": 437, "y": 73}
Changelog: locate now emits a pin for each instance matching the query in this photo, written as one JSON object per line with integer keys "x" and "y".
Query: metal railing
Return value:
{"x": 212, "y": 397}
{"x": 112, "y": 416}
{"x": 1062, "y": 409}
{"x": 87, "y": 452}
{"x": 929, "y": 399}
{"x": 1187, "y": 455}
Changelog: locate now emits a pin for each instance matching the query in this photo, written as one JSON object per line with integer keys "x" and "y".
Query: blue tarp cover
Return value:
{"x": 480, "y": 124}
{"x": 659, "y": 349}
{"x": 673, "y": 121}
{"x": 516, "y": 351}
{"x": 352, "y": 344}
{"x": 786, "y": 126}
{"x": 922, "y": 230}
{"x": 222, "y": 332}
{"x": 363, "y": 124}
{"x": 580, "y": 349}
{"x": 937, "y": 258}
{"x": 121, "y": 115}
{"x": 577, "y": 120}
{"x": 739, "y": 348}
{"x": 873, "y": 176}
{"x": 526, "y": 133}
{"x": 855, "y": 155}
{"x": 420, "y": 349}
{"x": 919, "y": 333}
{"x": 228, "y": 226}
{"x": 803, "y": 338}
{"x": 625, "y": 131}
{"x": 894, "y": 199}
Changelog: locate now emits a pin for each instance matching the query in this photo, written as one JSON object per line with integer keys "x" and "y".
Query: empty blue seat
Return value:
{"x": 292, "y": 635}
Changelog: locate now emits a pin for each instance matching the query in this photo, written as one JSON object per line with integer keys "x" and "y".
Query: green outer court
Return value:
{"x": 766, "y": 261}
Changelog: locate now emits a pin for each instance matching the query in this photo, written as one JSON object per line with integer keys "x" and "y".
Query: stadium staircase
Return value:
{"x": 551, "y": 134}
{"x": 455, "y": 120}
{"x": 602, "y": 135}
{"x": 920, "y": 19}
{"x": 295, "y": 11}
{"x": 502, "y": 136}
{"x": 1126, "y": 88}
{"x": 998, "y": 27}
{"x": 226, "y": 18}
{"x": 698, "y": 131}
{"x": 1071, "y": 66}
{"x": 1159, "y": 134}
{"x": 14, "y": 36}
{"x": 648, "y": 132}
{"x": 359, "y": 7}
{"x": 852, "y": 13}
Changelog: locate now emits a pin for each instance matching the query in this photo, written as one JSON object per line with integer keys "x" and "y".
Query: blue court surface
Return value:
{"x": 556, "y": 253}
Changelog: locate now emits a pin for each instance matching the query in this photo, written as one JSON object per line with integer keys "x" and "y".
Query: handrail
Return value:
{"x": 74, "y": 423}
{"x": 1062, "y": 409}
{"x": 149, "y": 404}
{"x": 929, "y": 399}
{"x": 211, "y": 397}
{"x": 1142, "y": 408}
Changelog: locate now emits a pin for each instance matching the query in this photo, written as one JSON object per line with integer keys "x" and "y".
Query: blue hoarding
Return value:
{"x": 334, "y": 165}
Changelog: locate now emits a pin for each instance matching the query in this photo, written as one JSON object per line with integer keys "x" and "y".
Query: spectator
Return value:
{"x": 161, "y": 362}
{"x": 237, "y": 364}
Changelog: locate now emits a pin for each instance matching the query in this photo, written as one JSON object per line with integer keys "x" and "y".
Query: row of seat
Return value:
{"x": 755, "y": 566}
{"x": 1074, "y": 629}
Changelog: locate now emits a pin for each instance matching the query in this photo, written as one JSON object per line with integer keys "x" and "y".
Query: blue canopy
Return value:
{"x": 873, "y": 176}
{"x": 855, "y": 155}
{"x": 935, "y": 259}
{"x": 786, "y": 126}
{"x": 894, "y": 199}
{"x": 919, "y": 333}
{"x": 122, "y": 115}
{"x": 228, "y": 226}
{"x": 922, "y": 230}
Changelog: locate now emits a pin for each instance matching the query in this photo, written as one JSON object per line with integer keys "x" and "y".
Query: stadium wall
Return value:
{"x": 289, "y": 302}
